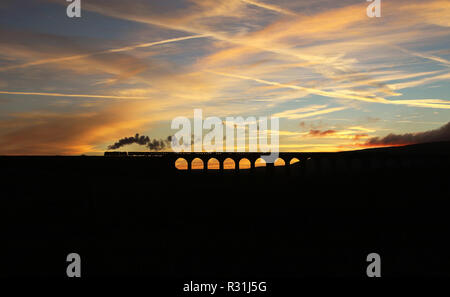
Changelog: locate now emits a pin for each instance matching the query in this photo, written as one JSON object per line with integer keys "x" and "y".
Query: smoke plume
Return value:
{"x": 153, "y": 145}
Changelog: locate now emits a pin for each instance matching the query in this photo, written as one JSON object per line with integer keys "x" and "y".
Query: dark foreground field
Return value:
{"x": 134, "y": 216}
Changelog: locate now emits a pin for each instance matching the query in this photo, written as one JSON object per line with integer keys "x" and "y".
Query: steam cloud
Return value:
{"x": 437, "y": 135}
{"x": 153, "y": 145}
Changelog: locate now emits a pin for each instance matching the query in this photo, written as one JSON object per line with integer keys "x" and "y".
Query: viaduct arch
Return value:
{"x": 310, "y": 163}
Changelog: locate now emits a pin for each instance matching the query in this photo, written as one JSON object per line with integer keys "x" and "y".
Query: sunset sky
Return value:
{"x": 335, "y": 77}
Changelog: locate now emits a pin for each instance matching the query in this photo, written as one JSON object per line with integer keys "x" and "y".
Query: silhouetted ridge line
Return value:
{"x": 436, "y": 135}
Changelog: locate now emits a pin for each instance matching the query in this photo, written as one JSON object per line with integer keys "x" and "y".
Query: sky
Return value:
{"x": 337, "y": 79}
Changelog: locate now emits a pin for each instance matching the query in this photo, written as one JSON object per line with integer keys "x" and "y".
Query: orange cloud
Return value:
{"x": 318, "y": 133}
{"x": 44, "y": 133}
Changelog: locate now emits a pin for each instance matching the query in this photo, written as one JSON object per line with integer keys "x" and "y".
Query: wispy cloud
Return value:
{"x": 269, "y": 7}
{"x": 426, "y": 56}
{"x": 427, "y": 103}
{"x": 93, "y": 96}
{"x": 115, "y": 50}
{"x": 307, "y": 112}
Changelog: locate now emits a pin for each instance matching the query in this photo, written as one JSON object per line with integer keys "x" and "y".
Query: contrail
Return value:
{"x": 269, "y": 7}
{"x": 292, "y": 115}
{"x": 73, "y": 95}
{"x": 427, "y": 103}
{"x": 424, "y": 56}
{"x": 309, "y": 90}
{"x": 116, "y": 50}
